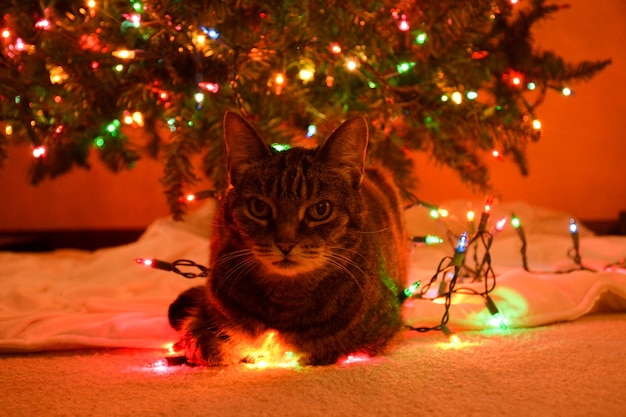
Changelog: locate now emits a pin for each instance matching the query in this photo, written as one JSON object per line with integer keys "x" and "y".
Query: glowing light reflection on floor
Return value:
{"x": 355, "y": 358}
{"x": 271, "y": 354}
{"x": 458, "y": 345}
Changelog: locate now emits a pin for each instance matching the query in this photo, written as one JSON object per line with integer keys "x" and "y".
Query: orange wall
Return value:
{"x": 94, "y": 199}
{"x": 579, "y": 165}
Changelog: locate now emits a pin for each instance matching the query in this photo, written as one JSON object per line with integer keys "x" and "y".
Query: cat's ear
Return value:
{"x": 345, "y": 148}
{"x": 244, "y": 146}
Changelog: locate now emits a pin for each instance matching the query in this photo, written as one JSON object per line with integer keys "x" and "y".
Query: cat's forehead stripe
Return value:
{"x": 292, "y": 180}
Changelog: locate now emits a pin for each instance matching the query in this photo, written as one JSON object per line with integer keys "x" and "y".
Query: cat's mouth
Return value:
{"x": 290, "y": 266}
{"x": 285, "y": 263}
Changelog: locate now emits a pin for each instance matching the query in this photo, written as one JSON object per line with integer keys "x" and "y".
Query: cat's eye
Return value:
{"x": 259, "y": 208}
{"x": 319, "y": 211}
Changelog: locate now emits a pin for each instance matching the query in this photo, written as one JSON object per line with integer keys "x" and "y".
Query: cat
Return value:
{"x": 308, "y": 243}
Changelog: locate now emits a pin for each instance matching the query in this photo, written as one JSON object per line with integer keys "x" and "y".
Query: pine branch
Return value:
{"x": 431, "y": 76}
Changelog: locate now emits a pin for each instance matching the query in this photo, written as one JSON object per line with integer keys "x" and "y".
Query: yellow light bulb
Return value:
{"x": 306, "y": 74}
{"x": 123, "y": 54}
{"x": 137, "y": 117}
{"x": 351, "y": 64}
{"x": 537, "y": 124}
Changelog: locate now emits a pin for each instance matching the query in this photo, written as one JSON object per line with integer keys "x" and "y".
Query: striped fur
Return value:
{"x": 306, "y": 242}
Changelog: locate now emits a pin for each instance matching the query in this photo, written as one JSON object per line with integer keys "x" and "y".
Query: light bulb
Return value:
{"x": 351, "y": 64}
{"x": 39, "y": 151}
{"x": 306, "y": 74}
{"x": 279, "y": 79}
{"x": 409, "y": 291}
{"x": 537, "y": 124}
{"x": 43, "y": 24}
{"x": 515, "y": 222}
{"x": 462, "y": 244}
{"x": 124, "y": 54}
{"x": 452, "y": 337}
{"x": 493, "y": 310}
{"x": 210, "y": 87}
{"x": 428, "y": 239}
{"x": 421, "y": 38}
{"x": 210, "y": 32}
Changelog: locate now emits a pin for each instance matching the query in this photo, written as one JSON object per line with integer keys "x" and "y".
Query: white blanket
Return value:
{"x": 75, "y": 299}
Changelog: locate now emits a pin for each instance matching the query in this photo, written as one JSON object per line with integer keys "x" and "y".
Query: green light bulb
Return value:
{"x": 515, "y": 222}
{"x": 404, "y": 67}
{"x": 280, "y": 147}
{"x": 433, "y": 240}
{"x": 411, "y": 289}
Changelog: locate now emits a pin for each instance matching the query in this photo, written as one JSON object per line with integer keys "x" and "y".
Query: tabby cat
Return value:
{"x": 308, "y": 243}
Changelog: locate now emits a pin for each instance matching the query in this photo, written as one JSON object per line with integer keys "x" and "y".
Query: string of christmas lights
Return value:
{"x": 450, "y": 271}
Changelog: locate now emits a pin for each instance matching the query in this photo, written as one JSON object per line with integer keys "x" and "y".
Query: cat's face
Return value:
{"x": 294, "y": 219}
{"x": 297, "y": 211}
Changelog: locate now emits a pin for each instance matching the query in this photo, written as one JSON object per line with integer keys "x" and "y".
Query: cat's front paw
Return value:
{"x": 201, "y": 338}
{"x": 200, "y": 351}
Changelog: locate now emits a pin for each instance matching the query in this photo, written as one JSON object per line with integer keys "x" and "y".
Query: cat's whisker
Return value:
{"x": 353, "y": 252}
{"x": 234, "y": 274}
{"x": 341, "y": 262}
{"x": 373, "y": 232}
{"x": 227, "y": 257}
{"x": 241, "y": 270}
{"x": 247, "y": 260}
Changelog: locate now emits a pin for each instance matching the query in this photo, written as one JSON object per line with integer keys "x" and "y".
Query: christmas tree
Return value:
{"x": 460, "y": 81}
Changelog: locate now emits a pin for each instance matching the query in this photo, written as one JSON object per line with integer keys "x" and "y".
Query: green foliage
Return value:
{"x": 66, "y": 86}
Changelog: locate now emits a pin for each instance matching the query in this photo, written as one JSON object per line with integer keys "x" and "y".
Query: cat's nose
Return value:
{"x": 285, "y": 247}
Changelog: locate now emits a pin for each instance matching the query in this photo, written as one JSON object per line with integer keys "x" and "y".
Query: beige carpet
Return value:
{"x": 566, "y": 369}
{"x": 564, "y": 354}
